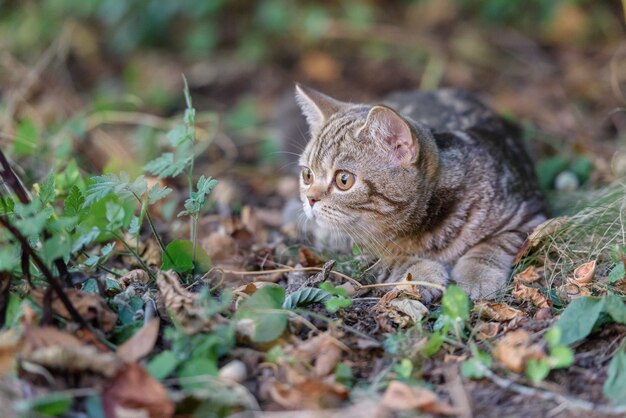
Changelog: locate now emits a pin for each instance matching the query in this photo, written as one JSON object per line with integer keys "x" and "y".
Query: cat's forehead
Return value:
{"x": 336, "y": 142}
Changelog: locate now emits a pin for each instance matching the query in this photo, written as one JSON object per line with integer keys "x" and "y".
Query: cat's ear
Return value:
{"x": 316, "y": 106}
{"x": 386, "y": 125}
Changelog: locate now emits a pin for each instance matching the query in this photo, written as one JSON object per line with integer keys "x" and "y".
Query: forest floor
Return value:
{"x": 241, "y": 313}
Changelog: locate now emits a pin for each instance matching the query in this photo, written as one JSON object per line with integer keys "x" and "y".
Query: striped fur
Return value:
{"x": 444, "y": 189}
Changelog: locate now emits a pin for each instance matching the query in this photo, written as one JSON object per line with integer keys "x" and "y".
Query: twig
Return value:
{"x": 21, "y": 192}
{"x": 405, "y": 283}
{"x": 568, "y": 401}
{"x": 54, "y": 282}
{"x": 287, "y": 270}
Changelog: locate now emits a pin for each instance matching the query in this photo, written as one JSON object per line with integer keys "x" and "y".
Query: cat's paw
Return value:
{"x": 478, "y": 280}
{"x": 431, "y": 272}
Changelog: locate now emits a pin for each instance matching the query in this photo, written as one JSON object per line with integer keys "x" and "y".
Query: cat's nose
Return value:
{"x": 312, "y": 200}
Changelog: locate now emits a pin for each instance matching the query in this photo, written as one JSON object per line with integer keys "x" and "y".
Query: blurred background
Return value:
{"x": 98, "y": 83}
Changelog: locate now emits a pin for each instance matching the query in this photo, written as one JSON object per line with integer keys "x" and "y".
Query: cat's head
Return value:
{"x": 366, "y": 170}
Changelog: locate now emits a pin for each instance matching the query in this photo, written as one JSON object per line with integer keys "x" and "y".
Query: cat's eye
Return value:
{"x": 344, "y": 180}
{"x": 307, "y": 176}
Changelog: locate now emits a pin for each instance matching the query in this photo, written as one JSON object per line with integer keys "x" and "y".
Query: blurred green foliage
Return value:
{"x": 254, "y": 29}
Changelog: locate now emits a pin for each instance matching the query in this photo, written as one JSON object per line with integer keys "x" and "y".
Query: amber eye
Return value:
{"x": 344, "y": 180}
{"x": 307, "y": 176}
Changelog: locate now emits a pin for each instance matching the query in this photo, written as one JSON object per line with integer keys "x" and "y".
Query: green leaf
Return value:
{"x": 9, "y": 257}
{"x": 333, "y": 290}
{"x": 344, "y": 375}
{"x": 26, "y": 138}
{"x": 73, "y": 204}
{"x": 561, "y": 356}
{"x": 473, "y": 369}
{"x": 157, "y": 193}
{"x": 53, "y": 404}
{"x": 335, "y": 303}
{"x": 537, "y": 369}
{"x": 197, "y": 200}
{"x": 433, "y": 344}
{"x": 582, "y": 314}
{"x": 195, "y": 367}
{"x": 258, "y": 307}
{"x": 163, "y": 364}
{"x": 121, "y": 186}
{"x": 7, "y": 206}
{"x": 178, "y": 256}
{"x": 404, "y": 369}
{"x": 578, "y": 319}
{"x": 614, "y": 387}
{"x": 456, "y": 303}
{"x": 617, "y": 273}
{"x": 305, "y": 297}
{"x": 165, "y": 166}
{"x": 47, "y": 192}
{"x": 553, "y": 337}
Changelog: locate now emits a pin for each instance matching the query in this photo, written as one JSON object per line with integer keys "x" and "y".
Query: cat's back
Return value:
{"x": 443, "y": 109}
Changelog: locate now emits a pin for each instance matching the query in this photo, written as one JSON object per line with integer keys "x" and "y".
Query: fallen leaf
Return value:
{"x": 543, "y": 230}
{"x": 497, "y": 311}
{"x": 134, "y": 391}
{"x": 583, "y": 275}
{"x": 9, "y": 344}
{"x": 59, "y": 350}
{"x": 487, "y": 330}
{"x": 308, "y": 258}
{"x": 543, "y": 314}
{"x": 570, "y": 291}
{"x": 181, "y": 303}
{"x": 402, "y": 397}
{"x": 532, "y": 294}
{"x": 529, "y": 275}
{"x": 134, "y": 276}
{"x": 141, "y": 343}
{"x": 89, "y": 305}
{"x": 328, "y": 357}
{"x": 414, "y": 309}
{"x": 515, "y": 349}
{"x": 313, "y": 393}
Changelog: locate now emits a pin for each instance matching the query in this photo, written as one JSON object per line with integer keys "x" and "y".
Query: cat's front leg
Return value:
{"x": 484, "y": 270}
{"x": 423, "y": 270}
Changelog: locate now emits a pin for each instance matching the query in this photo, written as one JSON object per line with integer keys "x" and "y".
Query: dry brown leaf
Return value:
{"x": 314, "y": 393}
{"x": 9, "y": 344}
{"x": 515, "y": 348}
{"x": 401, "y": 397}
{"x": 308, "y": 258}
{"x": 542, "y": 230}
{"x": 413, "y": 309}
{"x": 222, "y": 249}
{"x": 487, "y": 330}
{"x": 141, "y": 343}
{"x": 181, "y": 303}
{"x": 571, "y": 291}
{"x": 328, "y": 357}
{"x": 529, "y": 275}
{"x": 532, "y": 294}
{"x": 56, "y": 349}
{"x": 134, "y": 276}
{"x": 134, "y": 391}
{"x": 543, "y": 314}
{"x": 497, "y": 311}
{"x": 89, "y": 305}
{"x": 583, "y": 275}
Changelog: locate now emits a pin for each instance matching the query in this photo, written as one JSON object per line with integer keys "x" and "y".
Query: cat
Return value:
{"x": 433, "y": 183}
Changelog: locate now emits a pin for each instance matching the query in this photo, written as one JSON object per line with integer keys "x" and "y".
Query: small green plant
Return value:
{"x": 559, "y": 356}
{"x": 338, "y": 297}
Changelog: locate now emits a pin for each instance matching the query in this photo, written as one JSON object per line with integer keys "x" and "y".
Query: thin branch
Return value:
{"x": 54, "y": 282}
{"x": 567, "y": 401}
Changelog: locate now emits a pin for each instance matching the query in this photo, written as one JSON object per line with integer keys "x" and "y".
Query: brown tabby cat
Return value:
{"x": 434, "y": 183}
